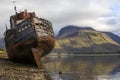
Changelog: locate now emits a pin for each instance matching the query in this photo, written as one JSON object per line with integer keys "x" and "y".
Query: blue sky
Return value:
{"x": 116, "y": 8}
{"x": 116, "y": 12}
{"x": 102, "y": 15}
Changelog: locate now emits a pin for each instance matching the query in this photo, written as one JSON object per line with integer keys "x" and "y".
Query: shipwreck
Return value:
{"x": 29, "y": 37}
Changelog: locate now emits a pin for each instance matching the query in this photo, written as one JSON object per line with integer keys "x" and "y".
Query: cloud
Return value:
{"x": 99, "y": 14}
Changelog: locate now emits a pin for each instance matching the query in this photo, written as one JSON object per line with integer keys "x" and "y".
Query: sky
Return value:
{"x": 102, "y": 15}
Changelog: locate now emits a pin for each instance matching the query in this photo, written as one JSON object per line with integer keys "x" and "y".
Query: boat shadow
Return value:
{"x": 5, "y": 61}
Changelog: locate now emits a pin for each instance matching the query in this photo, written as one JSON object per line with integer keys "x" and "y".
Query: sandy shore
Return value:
{"x": 18, "y": 71}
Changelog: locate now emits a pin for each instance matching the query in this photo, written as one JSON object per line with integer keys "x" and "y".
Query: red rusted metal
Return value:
{"x": 29, "y": 38}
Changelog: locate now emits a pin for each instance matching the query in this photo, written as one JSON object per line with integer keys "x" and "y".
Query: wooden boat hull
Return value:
{"x": 19, "y": 43}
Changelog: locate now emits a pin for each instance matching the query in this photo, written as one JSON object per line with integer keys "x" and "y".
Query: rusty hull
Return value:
{"x": 28, "y": 36}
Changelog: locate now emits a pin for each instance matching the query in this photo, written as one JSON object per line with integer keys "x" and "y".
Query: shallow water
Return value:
{"x": 84, "y": 67}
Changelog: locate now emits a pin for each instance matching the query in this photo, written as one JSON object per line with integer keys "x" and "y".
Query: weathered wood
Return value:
{"x": 23, "y": 40}
{"x": 37, "y": 56}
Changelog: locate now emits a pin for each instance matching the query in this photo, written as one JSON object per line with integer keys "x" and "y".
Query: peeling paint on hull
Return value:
{"x": 31, "y": 33}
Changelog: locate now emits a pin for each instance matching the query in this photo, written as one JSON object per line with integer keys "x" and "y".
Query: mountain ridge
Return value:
{"x": 71, "y": 28}
{"x": 68, "y": 30}
{"x": 2, "y": 43}
{"x": 75, "y": 39}
{"x": 85, "y": 40}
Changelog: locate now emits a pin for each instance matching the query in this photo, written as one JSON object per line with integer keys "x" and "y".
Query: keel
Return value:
{"x": 37, "y": 56}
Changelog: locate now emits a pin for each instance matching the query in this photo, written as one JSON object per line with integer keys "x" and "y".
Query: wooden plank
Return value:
{"x": 37, "y": 56}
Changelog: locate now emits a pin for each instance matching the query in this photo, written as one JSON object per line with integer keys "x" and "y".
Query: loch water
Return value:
{"x": 81, "y": 67}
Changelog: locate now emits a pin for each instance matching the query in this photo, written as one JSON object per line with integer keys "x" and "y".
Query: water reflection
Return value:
{"x": 84, "y": 67}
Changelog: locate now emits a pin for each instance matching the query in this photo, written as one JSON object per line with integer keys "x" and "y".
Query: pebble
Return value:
{"x": 18, "y": 71}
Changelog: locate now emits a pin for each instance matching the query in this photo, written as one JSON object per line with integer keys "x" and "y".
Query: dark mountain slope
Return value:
{"x": 2, "y": 43}
{"x": 113, "y": 36}
{"x": 84, "y": 41}
{"x": 71, "y": 28}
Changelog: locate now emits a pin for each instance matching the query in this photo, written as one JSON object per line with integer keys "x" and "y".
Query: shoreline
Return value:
{"x": 67, "y": 54}
{"x": 18, "y": 71}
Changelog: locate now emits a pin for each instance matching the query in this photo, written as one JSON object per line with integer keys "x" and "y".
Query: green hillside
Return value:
{"x": 2, "y": 51}
{"x": 86, "y": 41}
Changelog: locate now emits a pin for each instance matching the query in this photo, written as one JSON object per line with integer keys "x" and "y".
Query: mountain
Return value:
{"x": 71, "y": 28}
{"x": 113, "y": 36}
{"x": 2, "y": 43}
{"x": 74, "y": 39}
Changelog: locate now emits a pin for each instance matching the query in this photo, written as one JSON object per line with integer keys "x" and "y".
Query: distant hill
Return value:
{"x": 74, "y": 39}
{"x": 71, "y": 28}
{"x": 113, "y": 36}
{"x": 2, "y": 43}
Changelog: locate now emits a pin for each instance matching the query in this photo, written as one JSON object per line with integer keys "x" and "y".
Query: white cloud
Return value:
{"x": 95, "y": 13}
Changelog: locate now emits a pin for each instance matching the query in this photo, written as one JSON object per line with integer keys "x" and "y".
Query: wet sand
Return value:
{"x": 18, "y": 71}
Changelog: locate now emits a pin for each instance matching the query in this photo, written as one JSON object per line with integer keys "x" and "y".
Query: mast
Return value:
{"x": 6, "y": 27}
{"x": 15, "y": 8}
